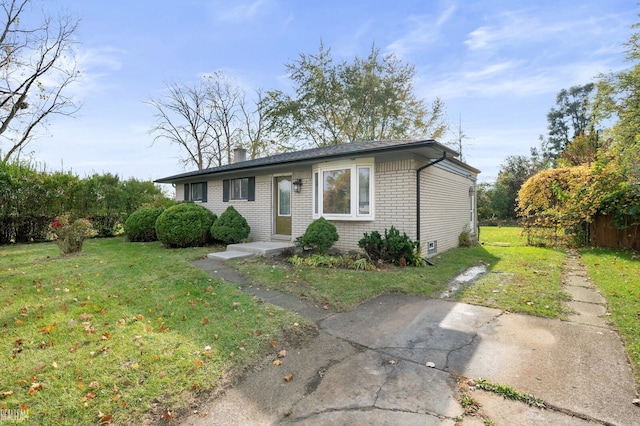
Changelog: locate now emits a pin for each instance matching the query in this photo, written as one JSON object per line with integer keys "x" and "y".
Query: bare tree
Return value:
{"x": 183, "y": 117}
{"x": 225, "y": 98}
{"x": 36, "y": 68}
{"x": 208, "y": 120}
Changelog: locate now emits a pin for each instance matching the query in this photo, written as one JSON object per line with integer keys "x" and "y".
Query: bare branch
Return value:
{"x": 34, "y": 75}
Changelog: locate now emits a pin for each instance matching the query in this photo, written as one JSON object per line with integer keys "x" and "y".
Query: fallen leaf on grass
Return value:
{"x": 105, "y": 336}
{"x": 6, "y": 394}
{"x": 276, "y": 362}
{"x": 274, "y": 343}
{"x": 39, "y": 367}
{"x": 288, "y": 377}
{"x": 94, "y": 384}
{"x": 166, "y": 415}
{"x": 282, "y": 353}
{"x": 205, "y": 321}
{"x": 106, "y": 419}
{"x": 34, "y": 388}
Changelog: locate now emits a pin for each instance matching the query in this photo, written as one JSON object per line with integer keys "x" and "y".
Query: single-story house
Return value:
{"x": 418, "y": 186}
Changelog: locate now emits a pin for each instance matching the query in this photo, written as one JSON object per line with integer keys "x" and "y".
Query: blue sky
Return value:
{"x": 497, "y": 65}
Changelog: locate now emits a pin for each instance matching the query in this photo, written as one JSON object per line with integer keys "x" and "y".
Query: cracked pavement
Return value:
{"x": 369, "y": 366}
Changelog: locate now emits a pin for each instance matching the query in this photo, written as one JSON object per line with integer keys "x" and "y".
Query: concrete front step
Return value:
{"x": 260, "y": 248}
{"x": 230, "y": 254}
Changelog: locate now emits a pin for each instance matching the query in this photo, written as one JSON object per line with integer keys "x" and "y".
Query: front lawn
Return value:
{"x": 343, "y": 290}
{"x": 122, "y": 331}
{"x": 524, "y": 279}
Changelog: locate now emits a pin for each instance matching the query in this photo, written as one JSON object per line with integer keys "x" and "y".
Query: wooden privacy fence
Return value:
{"x": 604, "y": 234}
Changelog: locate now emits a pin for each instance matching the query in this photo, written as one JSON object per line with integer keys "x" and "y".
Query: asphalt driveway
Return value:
{"x": 397, "y": 360}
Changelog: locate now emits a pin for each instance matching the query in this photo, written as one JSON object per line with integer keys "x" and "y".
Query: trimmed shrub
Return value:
{"x": 393, "y": 248}
{"x": 141, "y": 225}
{"x": 231, "y": 227}
{"x": 185, "y": 225}
{"x": 320, "y": 236}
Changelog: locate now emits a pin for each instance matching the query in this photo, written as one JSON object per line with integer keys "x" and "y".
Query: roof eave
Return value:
{"x": 372, "y": 151}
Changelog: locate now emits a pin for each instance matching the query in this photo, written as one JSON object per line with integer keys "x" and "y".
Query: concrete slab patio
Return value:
{"x": 369, "y": 366}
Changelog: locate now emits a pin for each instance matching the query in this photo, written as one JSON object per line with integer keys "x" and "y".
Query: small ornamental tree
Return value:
{"x": 70, "y": 235}
{"x": 141, "y": 225}
{"x": 320, "y": 236}
{"x": 231, "y": 227}
{"x": 185, "y": 225}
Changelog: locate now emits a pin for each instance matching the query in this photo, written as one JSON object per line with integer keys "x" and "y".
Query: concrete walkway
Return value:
{"x": 396, "y": 360}
{"x": 589, "y": 305}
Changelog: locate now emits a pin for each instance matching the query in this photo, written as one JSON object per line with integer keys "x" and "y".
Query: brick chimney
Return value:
{"x": 239, "y": 154}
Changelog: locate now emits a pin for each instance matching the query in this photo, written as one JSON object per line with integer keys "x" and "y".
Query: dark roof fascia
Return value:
{"x": 463, "y": 164}
{"x": 261, "y": 164}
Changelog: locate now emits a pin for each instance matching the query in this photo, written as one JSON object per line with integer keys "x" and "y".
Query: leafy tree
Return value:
{"x": 494, "y": 202}
{"x": 367, "y": 99}
{"x": 619, "y": 98}
{"x": 514, "y": 171}
{"x": 573, "y": 116}
{"x": 36, "y": 68}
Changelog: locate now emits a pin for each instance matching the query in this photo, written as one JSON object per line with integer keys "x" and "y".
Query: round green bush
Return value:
{"x": 141, "y": 224}
{"x": 185, "y": 225}
{"x": 230, "y": 227}
{"x": 320, "y": 236}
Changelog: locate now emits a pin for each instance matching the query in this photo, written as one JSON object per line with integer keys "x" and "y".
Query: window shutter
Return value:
{"x": 251, "y": 191}
{"x": 186, "y": 192}
{"x": 225, "y": 190}
{"x": 204, "y": 192}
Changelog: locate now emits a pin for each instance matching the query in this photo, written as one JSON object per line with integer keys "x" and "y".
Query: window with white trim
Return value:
{"x": 344, "y": 190}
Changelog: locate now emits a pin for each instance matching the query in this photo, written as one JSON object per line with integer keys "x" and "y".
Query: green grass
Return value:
{"x": 122, "y": 330}
{"x": 616, "y": 274}
{"x": 343, "y": 290}
{"x": 522, "y": 279}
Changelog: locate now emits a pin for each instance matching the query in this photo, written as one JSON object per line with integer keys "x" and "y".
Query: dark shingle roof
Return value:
{"x": 323, "y": 153}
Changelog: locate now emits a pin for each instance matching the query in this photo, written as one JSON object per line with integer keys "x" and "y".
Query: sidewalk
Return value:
{"x": 369, "y": 366}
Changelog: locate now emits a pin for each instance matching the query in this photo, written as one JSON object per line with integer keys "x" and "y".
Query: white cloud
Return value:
{"x": 240, "y": 11}
{"x": 423, "y": 30}
{"x": 96, "y": 66}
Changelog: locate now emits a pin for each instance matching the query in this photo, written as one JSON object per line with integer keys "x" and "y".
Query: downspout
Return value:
{"x": 420, "y": 169}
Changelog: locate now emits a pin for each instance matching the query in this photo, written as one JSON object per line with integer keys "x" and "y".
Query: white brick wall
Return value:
{"x": 444, "y": 205}
{"x": 395, "y": 205}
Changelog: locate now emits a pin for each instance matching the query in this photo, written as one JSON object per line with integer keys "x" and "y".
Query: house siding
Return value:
{"x": 395, "y": 205}
{"x": 444, "y": 204}
{"x": 444, "y": 207}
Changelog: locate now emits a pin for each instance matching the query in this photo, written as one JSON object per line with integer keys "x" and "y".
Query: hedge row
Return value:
{"x": 30, "y": 199}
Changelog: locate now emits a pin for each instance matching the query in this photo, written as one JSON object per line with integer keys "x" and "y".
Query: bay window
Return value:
{"x": 343, "y": 190}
